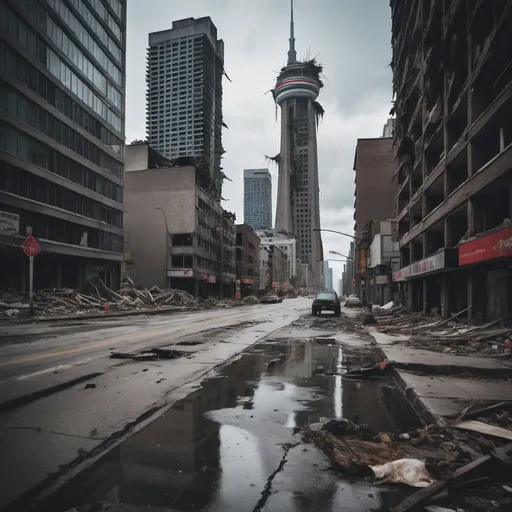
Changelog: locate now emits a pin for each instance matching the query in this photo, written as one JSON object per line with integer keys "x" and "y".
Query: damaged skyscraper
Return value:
{"x": 298, "y": 212}
{"x": 185, "y": 66}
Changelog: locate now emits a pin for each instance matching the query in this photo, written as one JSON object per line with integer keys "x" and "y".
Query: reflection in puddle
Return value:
{"x": 215, "y": 450}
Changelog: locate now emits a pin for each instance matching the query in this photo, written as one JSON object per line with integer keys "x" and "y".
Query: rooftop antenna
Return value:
{"x": 292, "y": 54}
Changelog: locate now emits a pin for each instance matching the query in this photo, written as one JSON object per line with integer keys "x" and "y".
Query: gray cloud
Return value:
{"x": 350, "y": 38}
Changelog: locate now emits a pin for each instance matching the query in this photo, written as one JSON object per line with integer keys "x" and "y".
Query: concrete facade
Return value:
{"x": 62, "y": 142}
{"x": 247, "y": 260}
{"x": 383, "y": 261}
{"x": 298, "y": 210}
{"x": 176, "y": 235}
{"x": 375, "y": 191}
{"x": 453, "y": 142}
{"x": 286, "y": 243}
{"x": 258, "y": 198}
{"x": 184, "y": 98}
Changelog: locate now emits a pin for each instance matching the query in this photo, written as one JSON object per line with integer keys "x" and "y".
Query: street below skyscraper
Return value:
{"x": 200, "y": 426}
{"x": 255, "y": 256}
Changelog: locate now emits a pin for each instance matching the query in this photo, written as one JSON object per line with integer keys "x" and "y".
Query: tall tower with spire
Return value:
{"x": 298, "y": 211}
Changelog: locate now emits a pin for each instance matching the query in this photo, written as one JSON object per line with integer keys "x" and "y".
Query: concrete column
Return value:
{"x": 425, "y": 296}
{"x": 471, "y": 302}
{"x": 445, "y": 295}
{"x": 58, "y": 271}
{"x": 410, "y": 296}
{"x": 81, "y": 274}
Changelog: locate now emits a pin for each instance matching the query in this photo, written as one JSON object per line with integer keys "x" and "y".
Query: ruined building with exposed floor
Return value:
{"x": 452, "y": 74}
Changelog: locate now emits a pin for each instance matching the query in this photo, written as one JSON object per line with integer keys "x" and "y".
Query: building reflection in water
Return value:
{"x": 190, "y": 460}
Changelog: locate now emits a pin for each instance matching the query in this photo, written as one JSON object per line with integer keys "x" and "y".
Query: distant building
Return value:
{"x": 384, "y": 260}
{"x": 247, "y": 260}
{"x": 176, "y": 235}
{"x": 185, "y": 65}
{"x": 285, "y": 242}
{"x": 375, "y": 191}
{"x": 258, "y": 198}
{"x": 389, "y": 128}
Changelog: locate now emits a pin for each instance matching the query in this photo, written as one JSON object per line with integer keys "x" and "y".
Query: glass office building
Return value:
{"x": 62, "y": 96}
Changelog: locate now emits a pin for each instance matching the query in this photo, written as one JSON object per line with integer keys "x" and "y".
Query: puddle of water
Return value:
{"x": 216, "y": 449}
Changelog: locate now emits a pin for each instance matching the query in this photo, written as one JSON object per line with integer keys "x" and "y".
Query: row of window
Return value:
{"x": 25, "y": 184}
{"x": 76, "y": 56}
{"x": 26, "y": 111}
{"x": 27, "y": 74}
{"x": 65, "y": 232}
{"x": 98, "y": 6}
{"x": 35, "y": 46}
{"x": 87, "y": 40}
{"x": 27, "y": 148}
{"x": 117, "y": 7}
{"x": 70, "y": 79}
{"x": 97, "y": 28}
{"x": 12, "y": 26}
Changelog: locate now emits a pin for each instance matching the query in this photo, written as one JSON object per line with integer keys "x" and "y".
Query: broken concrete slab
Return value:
{"x": 438, "y": 362}
{"x": 440, "y": 397}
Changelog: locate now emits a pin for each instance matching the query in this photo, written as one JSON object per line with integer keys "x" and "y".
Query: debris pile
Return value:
{"x": 450, "y": 336}
{"x": 474, "y": 454}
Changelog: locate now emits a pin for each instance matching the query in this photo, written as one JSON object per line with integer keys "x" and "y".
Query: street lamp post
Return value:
{"x": 342, "y": 255}
{"x": 337, "y": 232}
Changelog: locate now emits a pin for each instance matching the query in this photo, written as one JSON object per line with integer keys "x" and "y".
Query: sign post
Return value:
{"x": 31, "y": 249}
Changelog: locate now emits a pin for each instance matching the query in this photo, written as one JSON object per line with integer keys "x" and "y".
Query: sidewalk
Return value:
{"x": 440, "y": 386}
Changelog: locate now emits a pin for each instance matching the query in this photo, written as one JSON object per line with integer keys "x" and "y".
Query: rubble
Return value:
{"x": 451, "y": 335}
{"x": 439, "y": 459}
{"x": 97, "y": 297}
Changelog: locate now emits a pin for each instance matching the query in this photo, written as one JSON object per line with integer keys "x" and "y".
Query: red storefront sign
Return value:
{"x": 247, "y": 281}
{"x": 204, "y": 276}
{"x": 489, "y": 247}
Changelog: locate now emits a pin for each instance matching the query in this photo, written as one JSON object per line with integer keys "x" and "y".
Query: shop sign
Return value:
{"x": 380, "y": 280}
{"x": 9, "y": 223}
{"x": 275, "y": 284}
{"x": 181, "y": 273}
{"x": 489, "y": 247}
{"x": 362, "y": 261}
{"x": 372, "y": 282}
{"x": 246, "y": 281}
{"x": 212, "y": 279}
{"x": 204, "y": 276}
{"x": 402, "y": 274}
{"x": 430, "y": 264}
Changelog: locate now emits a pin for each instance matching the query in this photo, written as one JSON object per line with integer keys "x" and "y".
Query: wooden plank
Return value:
{"x": 428, "y": 492}
{"x": 484, "y": 428}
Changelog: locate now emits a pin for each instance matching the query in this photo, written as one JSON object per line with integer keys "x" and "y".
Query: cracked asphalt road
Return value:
{"x": 211, "y": 431}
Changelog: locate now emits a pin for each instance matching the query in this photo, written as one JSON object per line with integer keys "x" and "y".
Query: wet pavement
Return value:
{"x": 234, "y": 443}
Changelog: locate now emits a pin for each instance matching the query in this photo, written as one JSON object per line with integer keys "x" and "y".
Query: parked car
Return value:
{"x": 271, "y": 299}
{"x": 326, "y": 301}
{"x": 353, "y": 301}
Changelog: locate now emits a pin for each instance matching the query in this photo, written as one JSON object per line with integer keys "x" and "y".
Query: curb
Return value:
{"x": 424, "y": 411}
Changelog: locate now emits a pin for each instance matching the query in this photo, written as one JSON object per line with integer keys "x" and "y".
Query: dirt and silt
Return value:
{"x": 283, "y": 427}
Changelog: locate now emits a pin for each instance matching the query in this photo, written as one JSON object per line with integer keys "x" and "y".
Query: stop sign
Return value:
{"x": 31, "y": 247}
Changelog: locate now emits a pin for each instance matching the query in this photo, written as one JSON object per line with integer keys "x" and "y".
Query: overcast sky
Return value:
{"x": 351, "y": 38}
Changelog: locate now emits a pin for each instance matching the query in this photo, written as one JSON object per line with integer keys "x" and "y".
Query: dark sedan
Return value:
{"x": 326, "y": 301}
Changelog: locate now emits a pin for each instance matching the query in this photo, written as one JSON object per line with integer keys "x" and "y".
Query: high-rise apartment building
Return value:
{"x": 185, "y": 65}
{"x": 62, "y": 88}
{"x": 258, "y": 198}
{"x": 298, "y": 210}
